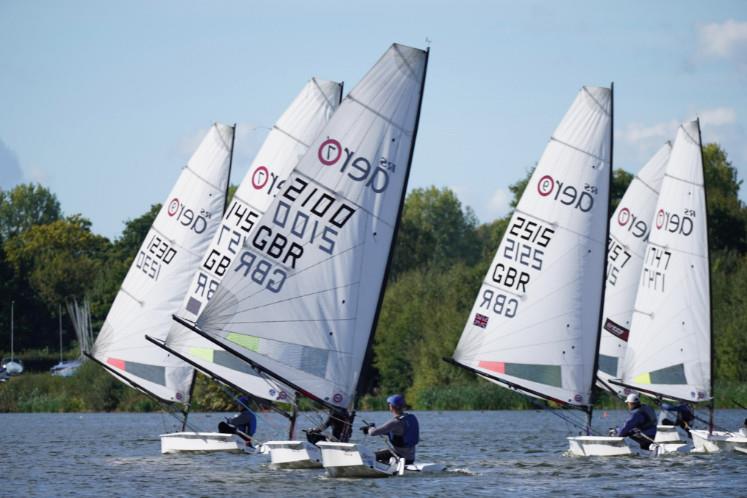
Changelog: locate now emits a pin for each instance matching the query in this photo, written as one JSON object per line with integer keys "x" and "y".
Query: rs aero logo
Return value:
{"x": 187, "y": 217}
{"x": 567, "y": 194}
{"x": 357, "y": 168}
{"x": 632, "y": 223}
{"x": 675, "y": 223}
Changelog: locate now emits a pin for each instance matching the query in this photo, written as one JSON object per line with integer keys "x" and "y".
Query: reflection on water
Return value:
{"x": 489, "y": 453}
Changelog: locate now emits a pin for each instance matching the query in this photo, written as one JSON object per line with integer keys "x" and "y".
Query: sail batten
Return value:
{"x": 534, "y": 323}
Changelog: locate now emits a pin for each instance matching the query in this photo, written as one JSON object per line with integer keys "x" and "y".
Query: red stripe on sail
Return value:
{"x": 495, "y": 366}
{"x": 120, "y": 364}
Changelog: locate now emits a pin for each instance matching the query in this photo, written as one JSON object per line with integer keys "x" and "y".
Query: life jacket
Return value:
{"x": 411, "y": 435}
{"x": 650, "y": 416}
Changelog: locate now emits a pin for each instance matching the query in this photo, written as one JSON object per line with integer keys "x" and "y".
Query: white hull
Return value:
{"x": 671, "y": 440}
{"x": 353, "y": 460}
{"x": 718, "y": 441}
{"x": 177, "y": 442}
{"x": 294, "y": 455}
{"x": 607, "y": 446}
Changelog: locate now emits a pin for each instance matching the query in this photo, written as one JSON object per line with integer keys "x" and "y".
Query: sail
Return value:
{"x": 286, "y": 143}
{"x": 163, "y": 267}
{"x": 669, "y": 348}
{"x": 300, "y": 300}
{"x": 535, "y": 322}
{"x": 629, "y": 229}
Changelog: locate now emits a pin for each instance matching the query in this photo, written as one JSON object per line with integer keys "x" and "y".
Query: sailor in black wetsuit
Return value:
{"x": 339, "y": 421}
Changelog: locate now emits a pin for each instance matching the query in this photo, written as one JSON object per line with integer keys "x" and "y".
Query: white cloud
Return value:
{"x": 499, "y": 203}
{"x": 722, "y": 40}
{"x": 10, "y": 167}
{"x": 720, "y": 116}
{"x": 636, "y": 133}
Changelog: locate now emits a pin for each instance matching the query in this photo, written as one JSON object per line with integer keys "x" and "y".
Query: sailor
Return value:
{"x": 403, "y": 431}
{"x": 678, "y": 415}
{"x": 340, "y": 422}
{"x": 641, "y": 424}
{"x": 244, "y": 423}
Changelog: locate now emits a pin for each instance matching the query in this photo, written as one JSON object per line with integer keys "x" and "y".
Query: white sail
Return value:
{"x": 158, "y": 278}
{"x": 285, "y": 145}
{"x": 669, "y": 348}
{"x": 301, "y": 299}
{"x": 535, "y": 321}
{"x": 629, "y": 229}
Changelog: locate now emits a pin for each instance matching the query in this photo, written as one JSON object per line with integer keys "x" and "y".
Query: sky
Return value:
{"x": 104, "y": 102}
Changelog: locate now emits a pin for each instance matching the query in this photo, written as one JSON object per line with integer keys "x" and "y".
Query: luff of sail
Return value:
{"x": 301, "y": 299}
{"x": 629, "y": 231}
{"x": 669, "y": 350}
{"x": 535, "y": 322}
{"x": 158, "y": 278}
{"x": 284, "y": 146}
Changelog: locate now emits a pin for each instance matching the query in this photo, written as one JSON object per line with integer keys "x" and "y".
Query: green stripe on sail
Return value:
{"x": 544, "y": 374}
{"x": 205, "y": 354}
{"x": 249, "y": 342}
{"x": 608, "y": 364}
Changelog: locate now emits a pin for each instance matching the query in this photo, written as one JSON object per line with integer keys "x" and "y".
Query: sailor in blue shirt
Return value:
{"x": 403, "y": 432}
{"x": 678, "y": 415}
{"x": 641, "y": 424}
{"x": 244, "y": 424}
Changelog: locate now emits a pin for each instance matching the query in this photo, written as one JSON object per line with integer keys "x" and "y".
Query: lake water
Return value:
{"x": 516, "y": 453}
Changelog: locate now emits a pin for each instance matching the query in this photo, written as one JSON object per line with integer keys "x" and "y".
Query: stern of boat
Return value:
{"x": 598, "y": 446}
{"x": 294, "y": 455}
{"x": 178, "y": 442}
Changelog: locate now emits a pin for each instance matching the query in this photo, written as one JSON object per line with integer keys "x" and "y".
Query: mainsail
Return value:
{"x": 629, "y": 230}
{"x": 301, "y": 299}
{"x": 158, "y": 278}
{"x": 669, "y": 349}
{"x": 286, "y": 143}
{"x": 535, "y": 323}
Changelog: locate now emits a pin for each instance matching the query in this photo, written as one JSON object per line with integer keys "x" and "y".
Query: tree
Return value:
{"x": 60, "y": 259}
{"x": 434, "y": 232}
{"x": 620, "y": 182}
{"x": 24, "y": 206}
{"x": 727, "y": 215}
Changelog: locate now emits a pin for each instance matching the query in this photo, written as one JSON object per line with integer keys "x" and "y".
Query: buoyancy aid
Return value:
{"x": 411, "y": 434}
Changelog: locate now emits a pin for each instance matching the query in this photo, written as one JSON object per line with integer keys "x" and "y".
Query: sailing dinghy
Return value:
{"x": 301, "y": 300}
{"x": 535, "y": 324}
{"x": 629, "y": 231}
{"x": 286, "y": 143}
{"x": 158, "y": 278}
{"x": 669, "y": 353}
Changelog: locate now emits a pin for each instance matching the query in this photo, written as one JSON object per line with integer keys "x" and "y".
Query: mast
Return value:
{"x": 59, "y": 326}
{"x": 292, "y": 426}
{"x": 12, "y": 303}
{"x": 363, "y": 380}
{"x": 711, "y": 405}
{"x": 590, "y": 410}
{"x": 228, "y": 178}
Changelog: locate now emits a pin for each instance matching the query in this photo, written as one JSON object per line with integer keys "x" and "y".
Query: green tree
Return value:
{"x": 620, "y": 182}
{"x": 727, "y": 215}
{"x": 60, "y": 259}
{"x": 435, "y": 232}
{"x": 24, "y": 206}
